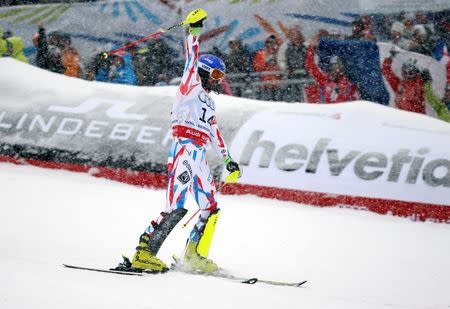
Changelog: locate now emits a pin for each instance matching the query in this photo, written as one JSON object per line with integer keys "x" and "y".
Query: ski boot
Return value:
{"x": 143, "y": 259}
{"x": 197, "y": 262}
{"x": 149, "y": 244}
{"x": 196, "y": 254}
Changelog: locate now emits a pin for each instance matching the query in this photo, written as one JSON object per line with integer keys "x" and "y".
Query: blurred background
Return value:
{"x": 294, "y": 51}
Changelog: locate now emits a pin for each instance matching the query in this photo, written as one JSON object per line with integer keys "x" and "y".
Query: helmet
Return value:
{"x": 210, "y": 63}
{"x": 211, "y": 67}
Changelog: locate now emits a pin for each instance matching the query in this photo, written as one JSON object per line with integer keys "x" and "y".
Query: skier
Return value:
{"x": 193, "y": 126}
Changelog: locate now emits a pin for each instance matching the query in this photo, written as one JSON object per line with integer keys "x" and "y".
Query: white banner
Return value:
{"x": 357, "y": 149}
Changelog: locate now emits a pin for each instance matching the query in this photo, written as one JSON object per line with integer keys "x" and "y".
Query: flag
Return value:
{"x": 362, "y": 61}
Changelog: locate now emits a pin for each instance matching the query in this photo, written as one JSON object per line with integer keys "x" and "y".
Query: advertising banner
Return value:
{"x": 343, "y": 150}
{"x": 357, "y": 154}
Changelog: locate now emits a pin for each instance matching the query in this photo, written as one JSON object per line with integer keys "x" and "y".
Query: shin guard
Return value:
{"x": 163, "y": 229}
{"x": 205, "y": 240}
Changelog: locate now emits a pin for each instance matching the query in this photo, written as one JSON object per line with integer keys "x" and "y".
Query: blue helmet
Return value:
{"x": 209, "y": 62}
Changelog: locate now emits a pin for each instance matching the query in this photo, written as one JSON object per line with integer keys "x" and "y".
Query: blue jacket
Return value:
{"x": 124, "y": 74}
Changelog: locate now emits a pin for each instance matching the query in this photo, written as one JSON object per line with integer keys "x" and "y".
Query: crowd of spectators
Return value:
{"x": 265, "y": 74}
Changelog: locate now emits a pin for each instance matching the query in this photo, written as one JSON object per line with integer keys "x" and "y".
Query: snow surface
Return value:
{"x": 351, "y": 259}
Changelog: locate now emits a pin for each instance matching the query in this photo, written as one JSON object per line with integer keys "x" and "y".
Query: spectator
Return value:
{"x": 100, "y": 61}
{"x": 360, "y": 32}
{"x": 237, "y": 62}
{"x": 397, "y": 31}
{"x": 384, "y": 28}
{"x": 11, "y": 46}
{"x": 357, "y": 30}
{"x": 143, "y": 68}
{"x": 334, "y": 86}
{"x": 368, "y": 28}
{"x": 409, "y": 89}
{"x": 409, "y": 25}
{"x": 135, "y": 57}
{"x": 295, "y": 62}
{"x": 422, "y": 19}
{"x": 70, "y": 58}
{"x": 48, "y": 53}
{"x": 119, "y": 72}
{"x": 443, "y": 30}
{"x": 266, "y": 62}
{"x": 421, "y": 42}
{"x": 159, "y": 60}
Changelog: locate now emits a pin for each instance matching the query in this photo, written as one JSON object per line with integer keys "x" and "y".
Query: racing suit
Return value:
{"x": 193, "y": 126}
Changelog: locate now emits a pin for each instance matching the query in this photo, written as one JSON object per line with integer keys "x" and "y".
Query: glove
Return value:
{"x": 426, "y": 76}
{"x": 195, "y": 21}
{"x": 195, "y": 16}
{"x": 393, "y": 52}
{"x": 196, "y": 27}
{"x": 232, "y": 166}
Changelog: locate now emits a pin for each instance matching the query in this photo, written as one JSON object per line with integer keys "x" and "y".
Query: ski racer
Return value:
{"x": 193, "y": 126}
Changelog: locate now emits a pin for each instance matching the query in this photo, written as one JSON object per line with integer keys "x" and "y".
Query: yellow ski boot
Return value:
{"x": 197, "y": 262}
{"x": 143, "y": 259}
{"x": 196, "y": 254}
{"x": 149, "y": 245}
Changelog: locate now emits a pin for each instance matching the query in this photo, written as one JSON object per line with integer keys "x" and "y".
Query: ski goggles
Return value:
{"x": 214, "y": 73}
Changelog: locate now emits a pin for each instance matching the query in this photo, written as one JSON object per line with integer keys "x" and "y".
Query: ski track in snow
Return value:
{"x": 351, "y": 259}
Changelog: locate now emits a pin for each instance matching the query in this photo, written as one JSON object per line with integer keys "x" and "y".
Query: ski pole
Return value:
{"x": 145, "y": 38}
{"x": 231, "y": 178}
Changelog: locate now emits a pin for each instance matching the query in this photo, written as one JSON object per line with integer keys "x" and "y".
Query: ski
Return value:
{"x": 126, "y": 269}
{"x": 111, "y": 271}
{"x": 245, "y": 280}
{"x": 178, "y": 266}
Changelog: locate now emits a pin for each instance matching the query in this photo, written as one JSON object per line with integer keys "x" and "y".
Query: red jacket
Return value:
{"x": 330, "y": 91}
{"x": 409, "y": 94}
{"x": 261, "y": 63}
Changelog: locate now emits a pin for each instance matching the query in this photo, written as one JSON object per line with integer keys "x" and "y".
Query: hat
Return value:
{"x": 398, "y": 27}
{"x": 420, "y": 30}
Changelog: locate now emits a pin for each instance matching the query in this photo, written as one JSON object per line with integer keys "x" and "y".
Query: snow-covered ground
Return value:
{"x": 351, "y": 259}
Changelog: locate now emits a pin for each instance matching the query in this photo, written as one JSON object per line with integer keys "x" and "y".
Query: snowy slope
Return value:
{"x": 352, "y": 259}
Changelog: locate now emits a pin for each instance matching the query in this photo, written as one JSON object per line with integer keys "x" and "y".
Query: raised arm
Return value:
{"x": 389, "y": 74}
{"x": 312, "y": 67}
{"x": 190, "y": 77}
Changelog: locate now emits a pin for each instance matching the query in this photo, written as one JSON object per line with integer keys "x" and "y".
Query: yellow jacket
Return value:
{"x": 12, "y": 47}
